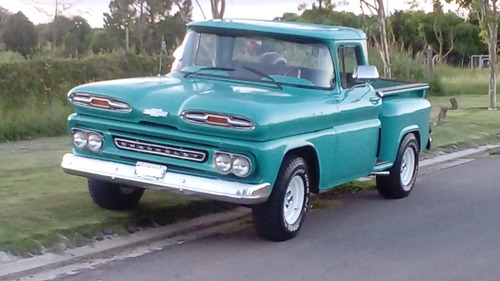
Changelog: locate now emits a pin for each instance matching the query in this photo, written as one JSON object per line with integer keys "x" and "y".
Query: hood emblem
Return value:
{"x": 155, "y": 112}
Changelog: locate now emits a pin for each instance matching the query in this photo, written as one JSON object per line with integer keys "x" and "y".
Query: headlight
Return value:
{"x": 80, "y": 139}
{"x": 95, "y": 142}
{"x": 84, "y": 139}
{"x": 226, "y": 163}
{"x": 241, "y": 166}
{"x": 223, "y": 163}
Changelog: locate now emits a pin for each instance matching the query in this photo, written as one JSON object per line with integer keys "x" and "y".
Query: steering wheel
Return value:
{"x": 272, "y": 58}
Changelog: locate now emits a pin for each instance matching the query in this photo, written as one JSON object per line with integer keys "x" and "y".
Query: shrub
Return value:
{"x": 403, "y": 66}
{"x": 33, "y": 92}
{"x": 9, "y": 56}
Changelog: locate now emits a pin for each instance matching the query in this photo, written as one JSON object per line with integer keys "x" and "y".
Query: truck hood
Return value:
{"x": 275, "y": 112}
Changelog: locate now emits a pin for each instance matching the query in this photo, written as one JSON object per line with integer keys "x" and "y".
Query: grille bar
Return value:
{"x": 162, "y": 150}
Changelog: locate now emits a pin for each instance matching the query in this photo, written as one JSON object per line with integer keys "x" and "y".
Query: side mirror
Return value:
{"x": 365, "y": 73}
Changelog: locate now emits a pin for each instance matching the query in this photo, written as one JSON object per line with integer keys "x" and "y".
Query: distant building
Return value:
{"x": 481, "y": 61}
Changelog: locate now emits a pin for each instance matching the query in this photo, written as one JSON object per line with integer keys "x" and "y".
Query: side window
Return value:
{"x": 348, "y": 60}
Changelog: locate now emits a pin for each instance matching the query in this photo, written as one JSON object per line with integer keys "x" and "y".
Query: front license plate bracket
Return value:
{"x": 150, "y": 170}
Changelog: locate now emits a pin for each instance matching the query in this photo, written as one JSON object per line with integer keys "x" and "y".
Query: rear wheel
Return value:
{"x": 403, "y": 174}
{"x": 114, "y": 196}
{"x": 281, "y": 217}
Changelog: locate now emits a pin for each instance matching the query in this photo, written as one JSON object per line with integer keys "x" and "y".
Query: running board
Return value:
{"x": 381, "y": 168}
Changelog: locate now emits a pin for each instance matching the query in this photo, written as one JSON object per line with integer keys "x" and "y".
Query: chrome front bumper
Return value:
{"x": 229, "y": 191}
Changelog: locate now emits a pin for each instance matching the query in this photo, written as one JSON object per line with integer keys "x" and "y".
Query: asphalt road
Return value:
{"x": 448, "y": 229}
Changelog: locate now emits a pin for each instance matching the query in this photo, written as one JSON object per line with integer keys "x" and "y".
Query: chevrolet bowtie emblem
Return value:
{"x": 155, "y": 112}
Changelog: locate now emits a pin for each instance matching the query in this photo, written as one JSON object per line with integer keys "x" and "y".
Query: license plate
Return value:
{"x": 148, "y": 170}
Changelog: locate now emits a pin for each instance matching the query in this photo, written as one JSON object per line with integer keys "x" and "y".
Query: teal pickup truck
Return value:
{"x": 258, "y": 113}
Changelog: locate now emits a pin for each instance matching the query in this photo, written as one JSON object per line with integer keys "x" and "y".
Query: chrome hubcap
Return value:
{"x": 407, "y": 168}
{"x": 294, "y": 200}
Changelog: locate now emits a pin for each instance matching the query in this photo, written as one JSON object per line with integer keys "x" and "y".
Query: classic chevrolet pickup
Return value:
{"x": 258, "y": 113}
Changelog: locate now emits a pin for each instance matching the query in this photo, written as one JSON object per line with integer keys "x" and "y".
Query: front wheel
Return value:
{"x": 280, "y": 218}
{"x": 403, "y": 174}
{"x": 114, "y": 196}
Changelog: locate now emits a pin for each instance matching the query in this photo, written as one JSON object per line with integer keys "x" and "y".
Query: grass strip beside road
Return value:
{"x": 472, "y": 125}
{"x": 44, "y": 209}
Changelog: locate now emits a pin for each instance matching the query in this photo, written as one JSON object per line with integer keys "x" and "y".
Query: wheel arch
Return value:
{"x": 309, "y": 154}
{"x": 411, "y": 130}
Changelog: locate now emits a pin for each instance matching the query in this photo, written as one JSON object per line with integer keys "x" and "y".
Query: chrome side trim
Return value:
{"x": 162, "y": 150}
{"x": 223, "y": 190}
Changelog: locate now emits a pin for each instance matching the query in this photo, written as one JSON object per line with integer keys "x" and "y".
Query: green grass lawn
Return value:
{"x": 469, "y": 126}
{"x": 41, "y": 204}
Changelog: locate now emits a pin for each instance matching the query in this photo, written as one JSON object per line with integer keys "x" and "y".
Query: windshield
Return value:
{"x": 261, "y": 58}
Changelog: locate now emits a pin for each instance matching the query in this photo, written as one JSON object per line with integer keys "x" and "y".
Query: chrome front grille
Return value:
{"x": 160, "y": 149}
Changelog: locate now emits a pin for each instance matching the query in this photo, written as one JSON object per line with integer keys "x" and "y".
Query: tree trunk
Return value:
{"x": 430, "y": 60}
{"x": 141, "y": 28}
{"x": 218, "y": 13}
{"x": 383, "y": 39}
{"x": 493, "y": 36}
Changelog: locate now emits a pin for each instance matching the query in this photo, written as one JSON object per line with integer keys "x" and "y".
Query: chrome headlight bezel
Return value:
{"x": 89, "y": 140}
{"x": 236, "y": 160}
{"x": 223, "y": 163}
{"x": 95, "y": 142}
{"x": 241, "y": 166}
{"x": 79, "y": 139}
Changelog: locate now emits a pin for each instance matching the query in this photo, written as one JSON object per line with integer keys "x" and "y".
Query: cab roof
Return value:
{"x": 328, "y": 32}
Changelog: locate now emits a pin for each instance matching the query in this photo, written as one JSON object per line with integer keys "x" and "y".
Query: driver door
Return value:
{"x": 358, "y": 128}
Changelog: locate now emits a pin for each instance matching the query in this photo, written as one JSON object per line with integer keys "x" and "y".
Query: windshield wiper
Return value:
{"x": 263, "y": 75}
{"x": 209, "y": 68}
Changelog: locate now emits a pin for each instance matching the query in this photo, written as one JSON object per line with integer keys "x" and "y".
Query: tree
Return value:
{"x": 142, "y": 24}
{"x": 377, "y": 8}
{"x": 218, "y": 8}
{"x": 119, "y": 19}
{"x": 101, "y": 41}
{"x": 405, "y": 29}
{"x": 4, "y": 15}
{"x": 288, "y": 17}
{"x": 19, "y": 34}
{"x": 53, "y": 10}
{"x": 487, "y": 11}
{"x": 75, "y": 39}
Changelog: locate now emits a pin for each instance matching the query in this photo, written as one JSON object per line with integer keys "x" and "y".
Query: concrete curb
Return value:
{"x": 456, "y": 157}
{"x": 24, "y": 267}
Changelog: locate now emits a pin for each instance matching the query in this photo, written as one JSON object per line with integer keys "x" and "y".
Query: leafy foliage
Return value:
{"x": 19, "y": 34}
{"x": 145, "y": 22}
{"x": 413, "y": 30}
{"x": 37, "y": 105}
{"x": 4, "y": 15}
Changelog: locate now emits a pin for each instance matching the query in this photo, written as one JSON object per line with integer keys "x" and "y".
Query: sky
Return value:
{"x": 41, "y": 11}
